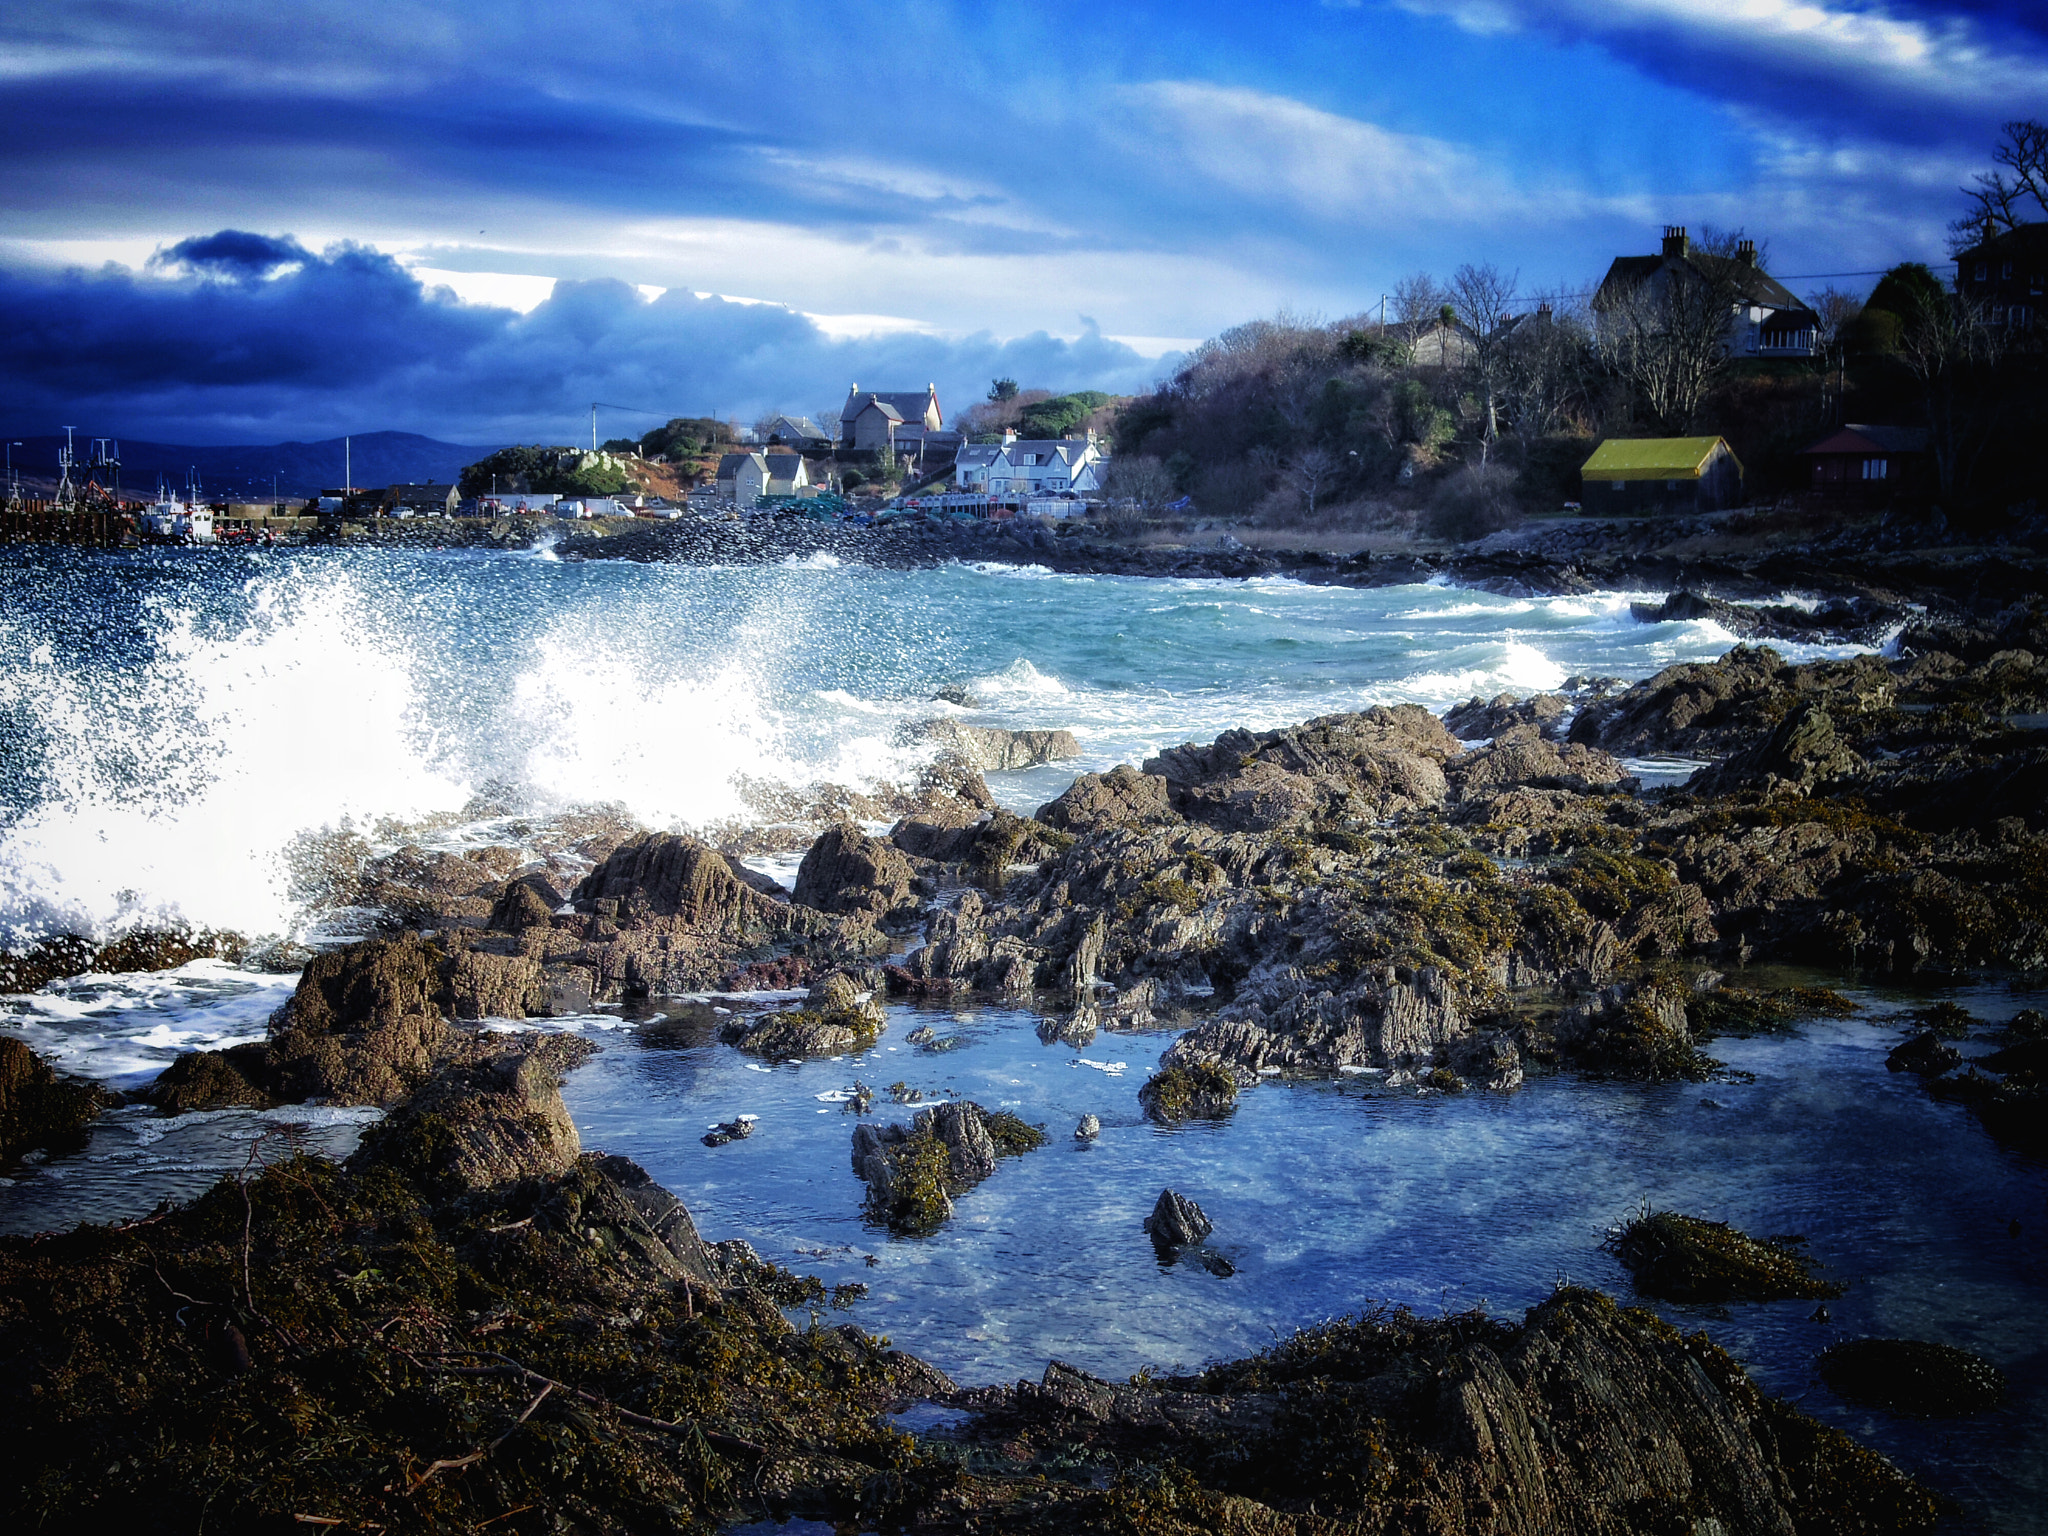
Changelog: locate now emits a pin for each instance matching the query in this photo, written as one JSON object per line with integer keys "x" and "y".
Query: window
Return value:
{"x": 1983, "y": 271}
{"x": 1670, "y": 485}
{"x": 2007, "y": 273}
{"x": 1621, "y": 485}
{"x": 1876, "y": 469}
{"x": 2017, "y": 316}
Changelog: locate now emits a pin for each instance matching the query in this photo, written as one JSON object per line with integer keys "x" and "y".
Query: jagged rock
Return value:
{"x": 666, "y": 1218}
{"x": 1107, "y": 799}
{"x": 363, "y": 1026}
{"x": 1198, "y": 1090}
{"x": 1482, "y": 720}
{"x": 1369, "y": 765}
{"x": 40, "y": 1109}
{"x": 530, "y": 901}
{"x": 479, "y": 985}
{"x": 1087, "y": 1128}
{"x": 1925, "y": 1055}
{"x": 993, "y": 749}
{"x": 1177, "y": 1222}
{"x": 663, "y": 875}
{"x": 1522, "y": 757}
{"x": 728, "y": 1131}
{"x": 1683, "y": 1258}
{"x": 849, "y": 872}
{"x": 1490, "y": 1060}
{"x": 1634, "y": 1031}
{"x": 1801, "y": 754}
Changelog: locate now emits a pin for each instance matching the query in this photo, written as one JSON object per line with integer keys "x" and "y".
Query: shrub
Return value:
{"x": 1473, "y": 502}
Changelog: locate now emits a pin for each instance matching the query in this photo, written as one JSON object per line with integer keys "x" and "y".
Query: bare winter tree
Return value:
{"x": 1549, "y": 368}
{"x": 1417, "y": 298}
{"x": 1834, "y": 311}
{"x": 1666, "y": 334}
{"x": 1310, "y": 472}
{"x": 1483, "y": 298}
{"x": 1137, "y": 486}
{"x": 1998, "y": 204}
{"x": 1952, "y": 351}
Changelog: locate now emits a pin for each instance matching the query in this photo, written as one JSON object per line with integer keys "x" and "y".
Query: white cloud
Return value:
{"x": 1950, "y": 60}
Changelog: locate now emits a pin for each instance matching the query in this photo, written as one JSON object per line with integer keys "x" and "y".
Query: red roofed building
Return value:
{"x": 1866, "y": 463}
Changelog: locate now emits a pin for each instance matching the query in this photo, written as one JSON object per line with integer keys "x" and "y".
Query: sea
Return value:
{"x": 177, "y": 727}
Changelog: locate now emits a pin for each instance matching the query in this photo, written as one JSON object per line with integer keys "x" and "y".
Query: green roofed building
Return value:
{"x": 1661, "y": 474}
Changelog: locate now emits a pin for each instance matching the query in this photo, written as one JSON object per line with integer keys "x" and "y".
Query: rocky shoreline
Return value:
{"x": 474, "y": 1317}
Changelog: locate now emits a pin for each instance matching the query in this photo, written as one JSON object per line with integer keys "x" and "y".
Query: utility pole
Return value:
{"x": 593, "y": 426}
{"x": 348, "y": 474}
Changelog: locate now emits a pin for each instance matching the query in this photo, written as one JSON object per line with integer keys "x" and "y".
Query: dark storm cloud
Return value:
{"x": 348, "y": 341}
{"x": 234, "y": 252}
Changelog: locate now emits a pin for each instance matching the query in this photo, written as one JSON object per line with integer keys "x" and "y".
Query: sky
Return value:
{"x": 239, "y": 221}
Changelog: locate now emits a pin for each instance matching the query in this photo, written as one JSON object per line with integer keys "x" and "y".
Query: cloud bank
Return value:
{"x": 241, "y": 337}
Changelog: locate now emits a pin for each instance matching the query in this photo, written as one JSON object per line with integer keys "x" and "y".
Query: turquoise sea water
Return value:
{"x": 171, "y": 724}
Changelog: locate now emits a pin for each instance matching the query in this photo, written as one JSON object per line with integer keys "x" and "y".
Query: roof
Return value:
{"x": 782, "y": 466}
{"x": 979, "y": 453}
{"x": 873, "y": 403}
{"x": 730, "y": 464}
{"x": 1651, "y": 458}
{"x": 802, "y": 425}
{"x": 2025, "y": 239}
{"x": 908, "y": 404}
{"x": 1752, "y": 283}
{"x": 1853, "y": 438}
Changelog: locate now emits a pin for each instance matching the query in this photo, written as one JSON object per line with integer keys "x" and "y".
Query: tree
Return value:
{"x": 1481, "y": 297}
{"x": 1310, "y": 471}
{"x": 1416, "y": 301}
{"x": 1665, "y": 335}
{"x": 1952, "y": 352}
{"x": 1548, "y": 369}
{"x": 1000, "y": 390}
{"x": 1996, "y": 204}
{"x": 1136, "y": 486}
{"x": 1835, "y": 313}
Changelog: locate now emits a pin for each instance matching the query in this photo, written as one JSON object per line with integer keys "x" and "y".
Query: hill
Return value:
{"x": 244, "y": 472}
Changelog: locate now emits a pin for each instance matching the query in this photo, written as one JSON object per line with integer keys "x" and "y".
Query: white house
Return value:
{"x": 744, "y": 478}
{"x": 1032, "y": 467}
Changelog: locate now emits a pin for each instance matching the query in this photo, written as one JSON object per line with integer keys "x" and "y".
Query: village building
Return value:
{"x": 426, "y": 499}
{"x": 1867, "y": 464}
{"x": 1765, "y": 319}
{"x": 1633, "y": 475}
{"x": 871, "y": 420}
{"x": 745, "y": 478}
{"x": 799, "y": 432}
{"x": 1024, "y": 467}
{"x": 2005, "y": 276}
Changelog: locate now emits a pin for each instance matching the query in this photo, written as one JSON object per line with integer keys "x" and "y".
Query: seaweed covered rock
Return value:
{"x": 1201, "y": 1090}
{"x": 477, "y": 984}
{"x": 805, "y": 1032}
{"x": 1925, "y": 1055}
{"x": 1584, "y": 1417}
{"x": 1636, "y": 1031}
{"x": 485, "y": 1121}
{"x": 1685, "y": 1258}
{"x": 1913, "y": 1378}
{"x": 341, "y": 1346}
{"x": 238, "y": 1077}
{"x": 1802, "y": 754}
{"x": 363, "y": 1026}
{"x": 1522, "y": 757}
{"x": 40, "y": 1110}
{"x": 913, "y": 1172}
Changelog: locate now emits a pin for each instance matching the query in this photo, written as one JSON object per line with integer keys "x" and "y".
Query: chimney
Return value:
{"x": 1745, "y": 252}
{"x": 1543, "y": 311}
{"x": 1009, "y": 436}
{"x": 1675, "y": 243}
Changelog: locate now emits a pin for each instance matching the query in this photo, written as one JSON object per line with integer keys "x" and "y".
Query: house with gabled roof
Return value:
{"x": 1628, "y": 475}
{"x": 745, "y": 478}
{"x": 796, "y": 432}
{"x": 1032, "y": 467}
{"x": 871, "y": 418}
{"x": 1765, "y": 318}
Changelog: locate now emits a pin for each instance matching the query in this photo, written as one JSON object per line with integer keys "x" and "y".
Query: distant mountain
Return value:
{"x": 244, "y": 473}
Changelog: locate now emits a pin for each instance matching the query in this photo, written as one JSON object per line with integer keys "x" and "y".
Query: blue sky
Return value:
{"x": 485, "y": 215}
